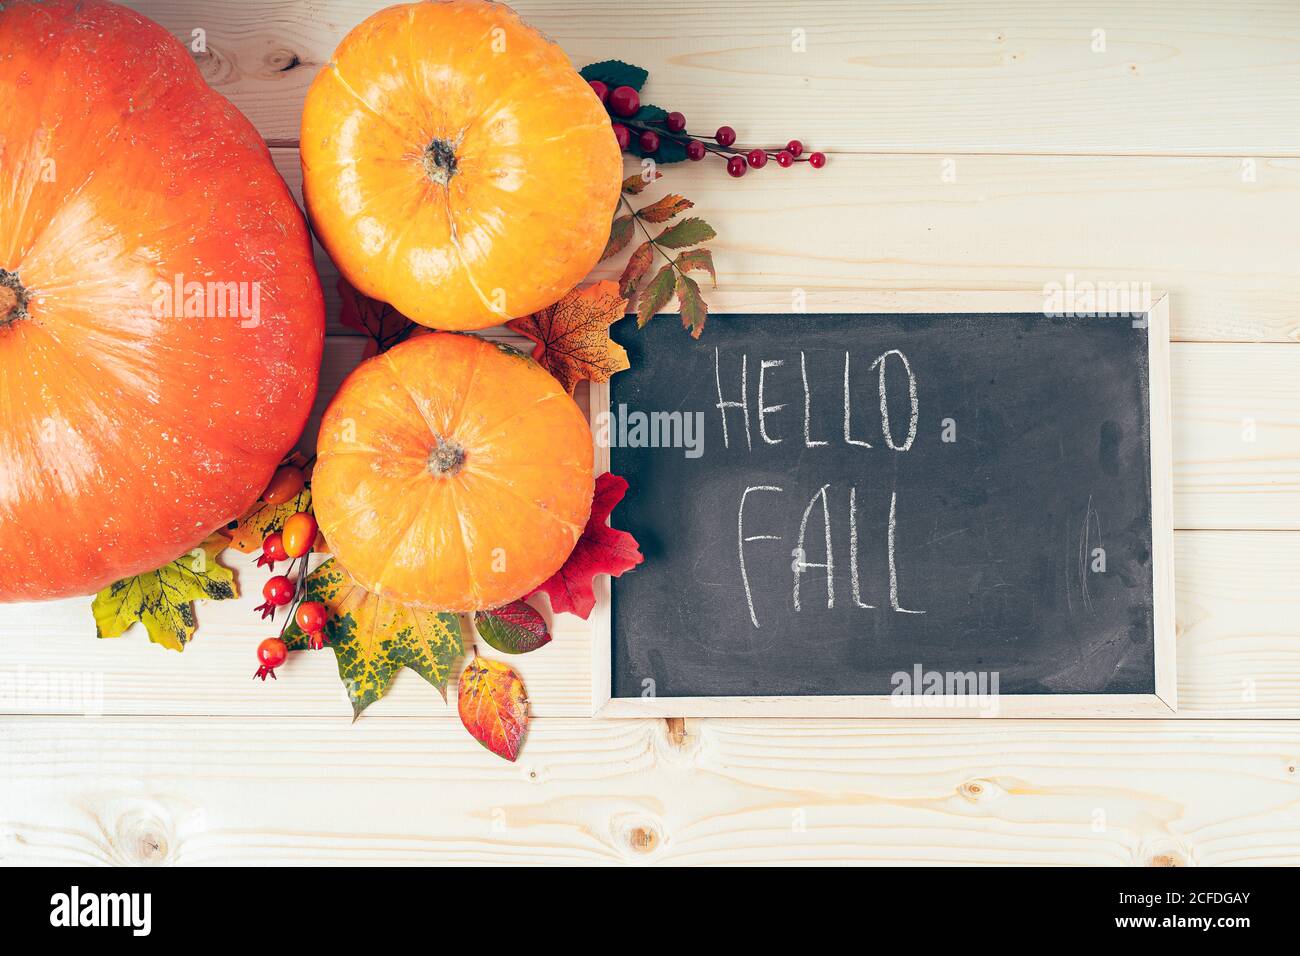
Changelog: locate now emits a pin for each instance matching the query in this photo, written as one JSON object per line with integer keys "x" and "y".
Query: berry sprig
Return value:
{"x": 292, "y": 542}
{"x": 650, "y": 131}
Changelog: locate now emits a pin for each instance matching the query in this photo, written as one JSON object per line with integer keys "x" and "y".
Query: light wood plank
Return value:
{"x": 959, "y": 76}
{"x": 1223, "y": 248}
{"x": 1237, "y": 610}
{"x": 205, "y": 791}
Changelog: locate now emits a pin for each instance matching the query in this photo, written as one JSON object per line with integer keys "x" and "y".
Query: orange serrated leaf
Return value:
{"x": 620, "y": 234}
{"x": 637, "y": 266}
{"x": 699, "y": 260}
{"x": 633, "y": 185}
{"x": 572, "y": 335}
{"x": 493, "y": 706}
{"x": 665, "y": 208}
{"x": 694, "y": 309}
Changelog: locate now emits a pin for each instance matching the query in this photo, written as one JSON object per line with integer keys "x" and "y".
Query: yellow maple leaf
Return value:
{"x": 163, "y": 600}
{"x": 572, "y": 335}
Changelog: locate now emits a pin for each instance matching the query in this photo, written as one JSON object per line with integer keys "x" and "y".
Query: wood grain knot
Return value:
{"x": 642, "y": 839}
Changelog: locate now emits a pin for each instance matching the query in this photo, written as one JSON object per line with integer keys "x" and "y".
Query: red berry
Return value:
{"x": 695, "y": 150}
{"x": 272, "y": 551}
{"x": 600, "y": 89}
{"x": 676, "y": 122}
{"x": 278, "y": 590}
{"x": 649, "y": 141}
{"x": 817, "y": 160}
{"x": 785, "y": 159}
{"x": 311, "y": 616}
{"x": 624, "y": 101}
{"x": 623, "y": 135}
{"x": 736, "y": 166}
{"x": 795, "y": 147}
{"x": 757, "y": 158}
{"x": 725, "y": 135}
{"x": 271, "y": 653}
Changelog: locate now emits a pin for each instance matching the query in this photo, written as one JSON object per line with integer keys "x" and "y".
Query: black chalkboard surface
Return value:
{"x": 858, "y": 505}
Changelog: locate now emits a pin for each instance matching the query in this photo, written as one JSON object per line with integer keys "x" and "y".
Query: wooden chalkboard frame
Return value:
{"x": 1161, "y": 703}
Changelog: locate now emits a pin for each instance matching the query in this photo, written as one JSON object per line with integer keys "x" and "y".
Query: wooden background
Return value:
{"x": 1171, "y": 156}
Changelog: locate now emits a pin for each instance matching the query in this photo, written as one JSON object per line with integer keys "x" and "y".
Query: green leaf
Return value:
{"x": 656, "y": 295}
{"x": 688, "y": 232}
{"x": 162, "y": 600}
{"x": 694, "y": 309}
{"x": 697, "y": 260}
{"x": 374, "y": 637}
{"x": 615, "y": 73}
{"x": 620, "y": 234}
{"x": 670, "y": 150}
{"x": 664, "y": 209}
{"x": 516, "y": 628}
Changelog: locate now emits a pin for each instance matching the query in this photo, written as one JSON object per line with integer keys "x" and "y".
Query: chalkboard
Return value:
{"x": 872, "y": 506}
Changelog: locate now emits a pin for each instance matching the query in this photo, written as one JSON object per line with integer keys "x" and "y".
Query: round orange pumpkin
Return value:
{"x": 452, "y": 473}
{"x": 161, "y": 320}
{"x": 456, "y": 166}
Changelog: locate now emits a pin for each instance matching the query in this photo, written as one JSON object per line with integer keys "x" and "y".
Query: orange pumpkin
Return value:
{"x": 161, "y": 321}
{"x": 456, "y": 166}
{"x": 452, "y": 473}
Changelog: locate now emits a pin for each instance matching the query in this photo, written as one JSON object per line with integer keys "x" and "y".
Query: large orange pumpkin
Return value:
{"x": 452, "y": 473}
{"x": 456, "y": 166}
{"x": 161, "y": 321}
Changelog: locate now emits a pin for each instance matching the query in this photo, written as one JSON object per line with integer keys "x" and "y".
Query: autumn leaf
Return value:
{"x": 600, "y": 550}
{"x": 493, "y": 706}
{"x": 247, "y": 533}
{"x": 572, "y": 335}
{"x": 615, "y": 73}
{"x": 656, "y": 295}
{"x": 620, "y": 234}
{"x": 688, "y": 232}
{"x": 638, "y": 264}
{"x": 163, "y": 600}
{"x": 515, "y": 628}
{"x": 374, "y": 637}
{"x": 383, "y": 324}
{"x": 694, "y": 309}
{"x": 697, "y": 260}
{"x": 664, "y": 209}
{"x": 635, "y": 184}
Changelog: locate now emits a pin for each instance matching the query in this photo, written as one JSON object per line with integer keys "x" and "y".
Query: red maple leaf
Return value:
{"x": 600, "y": 550}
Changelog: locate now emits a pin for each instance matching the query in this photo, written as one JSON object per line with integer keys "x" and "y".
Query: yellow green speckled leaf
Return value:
{"x": 246, "y": 533}
{"x": 162, "y": 600}
{"x": 374, "y": 637}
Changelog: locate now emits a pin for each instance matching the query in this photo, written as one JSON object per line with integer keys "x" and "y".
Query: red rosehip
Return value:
{"x": 311, "y": 616}
{"x": 600, "y": 89}
{"x": 757, "y": 158}
{"x": 785, "y": 159}
{"x": 795, "y": 147}
{"x": 817, "y": 160}
{"x": 649, "y": 141}
{"x": 278, "y": 591}
{"x": 676, "y": 122}
{"x": 725, "y": 135}
{"x": 695, "y": 150}
{"x": 623, "y": 135}
{"x": 271, "y": 653}
{"x": 624, "y": 101}
{"x": 736, "y": 166}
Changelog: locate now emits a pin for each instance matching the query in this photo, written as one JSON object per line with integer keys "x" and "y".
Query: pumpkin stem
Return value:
{"x": 446, "y": 457}
{"x": 439, "y": 161}
{"x": 13, "y": 299}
